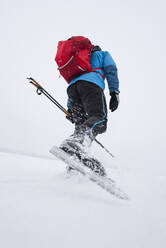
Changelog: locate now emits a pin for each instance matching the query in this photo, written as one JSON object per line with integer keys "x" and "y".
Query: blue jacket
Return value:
{"x": 109, "y": 71}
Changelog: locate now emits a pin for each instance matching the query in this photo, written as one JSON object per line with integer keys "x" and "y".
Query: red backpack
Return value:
{"x": 73, "y": 57}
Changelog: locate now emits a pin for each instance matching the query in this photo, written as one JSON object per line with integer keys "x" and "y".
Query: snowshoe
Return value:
{"x": 74, "y": 150}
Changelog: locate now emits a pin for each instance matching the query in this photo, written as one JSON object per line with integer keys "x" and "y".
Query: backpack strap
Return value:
{"x": 99, "y": 68}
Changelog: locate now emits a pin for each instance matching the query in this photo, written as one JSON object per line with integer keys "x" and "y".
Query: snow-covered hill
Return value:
{"x": 41, "y": 207}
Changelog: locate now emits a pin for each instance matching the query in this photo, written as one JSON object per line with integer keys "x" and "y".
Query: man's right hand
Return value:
{"x": 70, "y": 118}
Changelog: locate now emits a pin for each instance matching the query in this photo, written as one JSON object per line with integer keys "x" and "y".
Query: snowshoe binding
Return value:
{"x": 75, "y": 149}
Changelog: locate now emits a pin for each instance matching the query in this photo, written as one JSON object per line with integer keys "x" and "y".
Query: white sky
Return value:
{"x": 134, "y": 33}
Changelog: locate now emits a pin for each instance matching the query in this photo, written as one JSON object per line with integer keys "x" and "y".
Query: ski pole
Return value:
{"x": 104, "y": 148}
{"x": 41, "y": 90}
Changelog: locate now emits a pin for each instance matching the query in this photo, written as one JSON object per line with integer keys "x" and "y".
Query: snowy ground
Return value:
{"x": 40, "y": 207}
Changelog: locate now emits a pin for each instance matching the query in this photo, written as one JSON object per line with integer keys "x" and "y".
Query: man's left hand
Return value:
{"x": 114, "y": 101}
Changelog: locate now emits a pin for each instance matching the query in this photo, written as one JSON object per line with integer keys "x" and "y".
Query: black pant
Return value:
{"x": 88, "y": 106}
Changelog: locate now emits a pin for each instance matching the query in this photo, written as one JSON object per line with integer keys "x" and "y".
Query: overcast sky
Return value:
{"x": 132, "y": 31}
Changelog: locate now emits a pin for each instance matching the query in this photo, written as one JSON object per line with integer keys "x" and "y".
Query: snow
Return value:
{"x": 41, "y": 207}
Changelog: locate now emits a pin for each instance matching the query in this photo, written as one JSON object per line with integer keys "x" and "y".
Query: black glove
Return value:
{"x": 70, "y": 118}
{"x": 114, "y": 101}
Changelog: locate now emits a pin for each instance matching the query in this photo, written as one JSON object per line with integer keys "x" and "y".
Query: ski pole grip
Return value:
{"x": 35, "y": 83}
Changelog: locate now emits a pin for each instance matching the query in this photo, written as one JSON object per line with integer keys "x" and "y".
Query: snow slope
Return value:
{"x": 41, "y": 207}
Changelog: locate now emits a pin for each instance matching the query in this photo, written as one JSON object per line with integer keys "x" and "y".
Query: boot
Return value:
{"x": 78, "y": 144}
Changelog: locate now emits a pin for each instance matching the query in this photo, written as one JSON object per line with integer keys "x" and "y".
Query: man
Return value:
{"x": 86, "y": 100}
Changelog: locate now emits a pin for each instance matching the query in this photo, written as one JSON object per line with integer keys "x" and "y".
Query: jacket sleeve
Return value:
{"x": 111, "y": 74}
{"x": 68, "y": 104}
